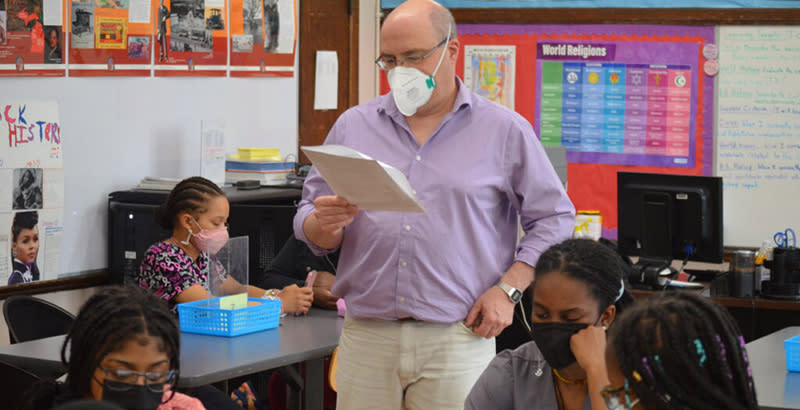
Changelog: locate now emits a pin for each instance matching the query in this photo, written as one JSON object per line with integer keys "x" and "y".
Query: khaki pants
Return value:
{"x": 412, "y": 365}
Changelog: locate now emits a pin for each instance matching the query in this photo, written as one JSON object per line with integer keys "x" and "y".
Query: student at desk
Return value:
{"x": 175, "y": 269}
{"x": 678, "y": 351}
{"x": 293, "y": 263}
{"x": 577, "y": 293}
{"x": 124, "y": 349}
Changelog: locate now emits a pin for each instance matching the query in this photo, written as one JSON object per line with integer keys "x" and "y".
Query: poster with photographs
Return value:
{"x": 263, "y": 41}
{"x": 31, "y": 192}
{"x": 110, "y": 37}
{"x": 192, "y": 38}
{"x": 31, "y": 38}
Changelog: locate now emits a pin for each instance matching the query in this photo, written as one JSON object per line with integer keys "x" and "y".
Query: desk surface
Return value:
{"x": 776, "y": 387}
{"x": 210, "y": 359}
{"x": 727, "y": 301}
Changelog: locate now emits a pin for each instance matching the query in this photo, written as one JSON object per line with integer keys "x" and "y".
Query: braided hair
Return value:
{"x": 596, "y": 265}
{"x": 191, "y": 194}
{"x": 23, "y": 220}
{"x": 680, "y": 351}
{"x": 110, "y": 318}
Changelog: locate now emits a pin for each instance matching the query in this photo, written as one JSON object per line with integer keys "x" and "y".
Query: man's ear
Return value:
{"x": 452, "y": 49}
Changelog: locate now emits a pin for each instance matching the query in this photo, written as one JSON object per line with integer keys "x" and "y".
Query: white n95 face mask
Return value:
{"x": 411, "y": 88}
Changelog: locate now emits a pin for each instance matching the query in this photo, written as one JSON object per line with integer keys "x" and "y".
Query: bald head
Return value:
{"x": 416, "y": 11}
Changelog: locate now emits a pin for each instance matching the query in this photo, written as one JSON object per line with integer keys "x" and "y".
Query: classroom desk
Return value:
{"x": 756, "y": 317}
{"x": 776, "y": 388}
{"x": 212, "y": 359}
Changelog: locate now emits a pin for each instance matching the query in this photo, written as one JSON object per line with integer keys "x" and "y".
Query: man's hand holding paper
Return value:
{"x": 363, "y": 181}
{"x": 333, "y": 213}
{"x": 325, "y": 226}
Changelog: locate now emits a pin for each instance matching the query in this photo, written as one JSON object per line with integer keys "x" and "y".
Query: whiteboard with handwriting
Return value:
{"x": 758, "y": 132}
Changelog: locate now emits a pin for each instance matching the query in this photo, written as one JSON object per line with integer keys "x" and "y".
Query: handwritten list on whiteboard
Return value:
{"x": 758, "y": 131}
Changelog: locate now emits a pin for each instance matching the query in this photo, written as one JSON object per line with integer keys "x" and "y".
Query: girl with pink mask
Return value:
{"x": 176, "y": 269}
{"x": 24, "y": 247}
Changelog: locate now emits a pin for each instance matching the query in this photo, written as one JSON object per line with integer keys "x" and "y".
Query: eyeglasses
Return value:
{"x": 611, "y": 396}
{"x": 154, "y": 381}
{"x": 387, "y": 63}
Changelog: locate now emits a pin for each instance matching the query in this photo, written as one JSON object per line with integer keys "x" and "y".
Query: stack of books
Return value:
{"x": 157, "y": 183}
{"x": 263, "y": 171}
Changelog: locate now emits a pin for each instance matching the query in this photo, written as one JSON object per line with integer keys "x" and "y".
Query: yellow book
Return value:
{"x": 251, "y": 154}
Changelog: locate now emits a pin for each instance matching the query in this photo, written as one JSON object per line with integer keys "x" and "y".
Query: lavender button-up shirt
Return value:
{"x": 479, "y": 169}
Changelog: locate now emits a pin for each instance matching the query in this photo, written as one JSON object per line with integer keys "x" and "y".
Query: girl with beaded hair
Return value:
{"x": 678, "y": 351}
{"x": 577, "y": 293}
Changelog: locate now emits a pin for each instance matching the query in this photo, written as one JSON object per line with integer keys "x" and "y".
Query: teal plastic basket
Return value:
{"x": 792, "y": 348}
{"x": 205, "y": 317}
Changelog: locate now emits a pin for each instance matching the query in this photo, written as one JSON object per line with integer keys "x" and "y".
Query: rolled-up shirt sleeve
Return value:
{"x": 315, "y": 186}
{"x": 546, "y": 212}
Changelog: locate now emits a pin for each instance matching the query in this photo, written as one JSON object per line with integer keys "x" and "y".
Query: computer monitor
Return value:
{"x": 666, "y": 216}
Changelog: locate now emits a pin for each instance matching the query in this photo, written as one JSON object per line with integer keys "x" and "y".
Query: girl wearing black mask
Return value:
{"x": 123, "y": 348}
{"x": 577, "y": 293}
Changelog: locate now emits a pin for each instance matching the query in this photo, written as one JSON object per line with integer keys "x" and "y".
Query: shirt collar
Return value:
{"x": 387, "y": 106}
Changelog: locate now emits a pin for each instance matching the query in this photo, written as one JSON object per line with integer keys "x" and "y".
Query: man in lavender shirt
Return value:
{"x": 427, "y": 293}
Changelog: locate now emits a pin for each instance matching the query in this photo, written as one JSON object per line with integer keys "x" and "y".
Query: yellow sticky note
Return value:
{"x": 233, "y": 302}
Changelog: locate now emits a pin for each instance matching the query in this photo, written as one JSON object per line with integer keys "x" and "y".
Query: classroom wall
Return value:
{"x": 117, "y": 130}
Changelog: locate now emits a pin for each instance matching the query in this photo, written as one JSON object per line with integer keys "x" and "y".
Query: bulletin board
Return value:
{"x": 109, "y": 38}
{"x": 31, "y": 192}
{"x": 192, "y": 38}
{"x": 31, "y": 38}
{"x": 263, "y": 35}
{"x": 594, "y": 71}
{"x": 572, "y": 83}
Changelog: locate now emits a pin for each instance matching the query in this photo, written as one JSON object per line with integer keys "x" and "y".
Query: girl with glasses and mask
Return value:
{"x": 678, "y": 351}
{"x": 176, "y": 269}
{"x": 124, "y": 349}
{"x": 578, "y": 291}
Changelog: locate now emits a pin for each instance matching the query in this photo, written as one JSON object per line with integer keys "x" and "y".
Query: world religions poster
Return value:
{"x": 31, "y": 192}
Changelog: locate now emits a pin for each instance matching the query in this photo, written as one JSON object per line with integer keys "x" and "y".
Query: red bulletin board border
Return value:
{"x": 594, "y": 186}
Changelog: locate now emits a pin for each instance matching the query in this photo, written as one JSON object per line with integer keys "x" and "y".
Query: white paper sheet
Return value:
{"x": 53, "y": 10}
{"x": 363, "y": 181}
{"x": 288, "y": 33}
{"x": 139, "y": 11}
{"x": 326, "y": 81}
{"x": 53, "y": 188}
{"x": 212, "y": 165}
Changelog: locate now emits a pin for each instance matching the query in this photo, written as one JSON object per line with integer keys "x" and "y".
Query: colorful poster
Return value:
{"x": 618, "y": 102}
{"x": 110, "y": 38}
{"x": 31, "y": 38}
{"x": 192, "y": 38}
{"x": 644, "y": 106}
{"x": 31, "y": 192}
{"x": 263, "y": 38}
{"x": 111, "y": 32}
{"x": 489, "y": 72}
